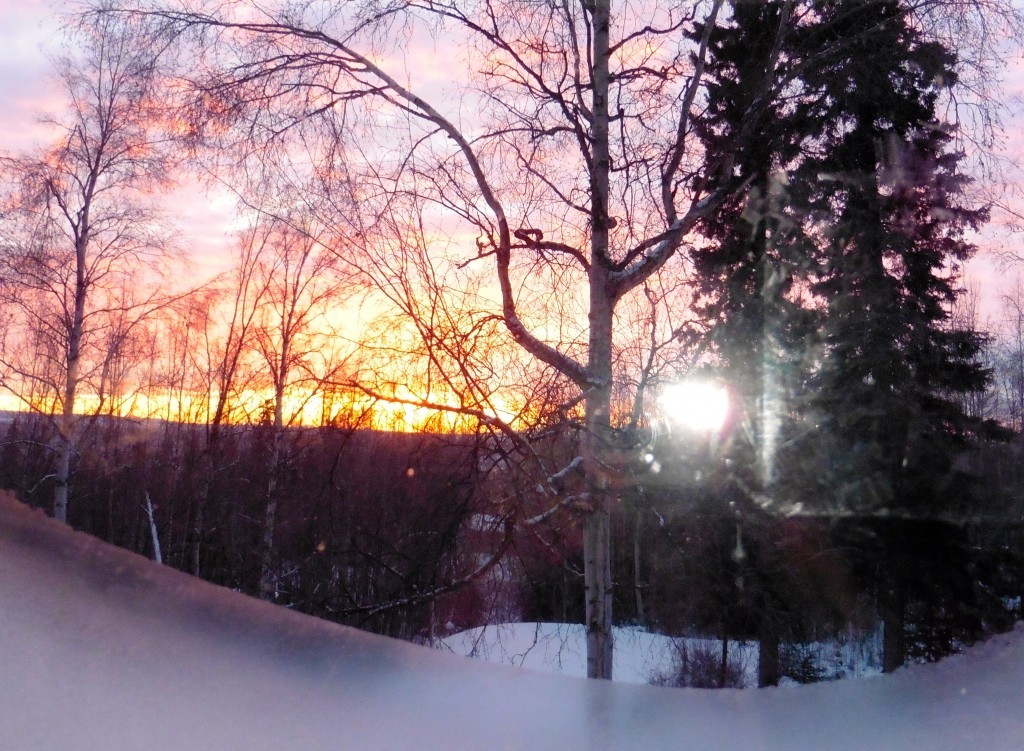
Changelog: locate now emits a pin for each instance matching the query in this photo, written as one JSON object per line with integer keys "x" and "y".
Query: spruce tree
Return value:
{"x": 756, "y": 250}
{"x": 893, "y": 217}
{"x": 828, "y": 290}
{"x": 754, "y": 261}
{"x": 891, "y": 212}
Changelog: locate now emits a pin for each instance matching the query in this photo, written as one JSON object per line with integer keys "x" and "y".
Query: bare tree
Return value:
{"x": 300, "y": 283}
{"x": 223, "y": 318}
{"x": 85, "y": 238}
{"x": 1010, "y": 365}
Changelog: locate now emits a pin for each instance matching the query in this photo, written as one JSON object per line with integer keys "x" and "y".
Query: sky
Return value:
{"x": 29, "y": 36}
{"x": 26, "y": 26}
{"x": 29, "y": 32}
{"x": 102, "y": 649}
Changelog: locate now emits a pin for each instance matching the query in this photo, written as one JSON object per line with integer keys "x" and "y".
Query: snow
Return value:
{"x": 101, "y": 649}
{"x": 639, "y": 655}
{"x": 561, "y": 648}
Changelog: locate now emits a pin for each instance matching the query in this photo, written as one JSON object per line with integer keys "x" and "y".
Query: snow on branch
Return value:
{"x": 581, "y": 501}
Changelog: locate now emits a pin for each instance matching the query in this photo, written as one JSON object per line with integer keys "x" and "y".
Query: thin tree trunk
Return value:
{"x": 893, "y": 643}
{"x": 723, "y": 671}
{"x": 62, "y": 475}
{"x": 565, "y": 595}
{"x": 268, "y": 576}
{"x": 768, "y": 673}
{"x": 197, "y": 528}
{"x": 68, "y": 426}
{"x": 208, "y": 467}
{"x": 597, "y": 529}
{"x": 157, "y": 556}
{"x": 598, "y": 581}
{"x": 638, "y": 594}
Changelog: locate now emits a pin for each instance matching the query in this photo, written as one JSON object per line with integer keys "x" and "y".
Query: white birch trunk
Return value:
{"x": 67, "y": 426}
{"x": 157, "y": 555}
{"x": 597, "y": 529}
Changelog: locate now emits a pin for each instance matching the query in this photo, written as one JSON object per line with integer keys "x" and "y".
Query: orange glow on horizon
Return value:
{"x": 349, "y": 408}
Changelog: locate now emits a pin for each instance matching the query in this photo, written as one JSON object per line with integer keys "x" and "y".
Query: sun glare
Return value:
{"x": 699, "y": 405}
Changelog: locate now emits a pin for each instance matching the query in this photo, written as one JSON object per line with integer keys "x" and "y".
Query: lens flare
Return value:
{"x": 700, "y": 406}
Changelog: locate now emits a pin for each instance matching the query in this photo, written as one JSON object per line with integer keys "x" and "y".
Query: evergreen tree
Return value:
{"x": 756, "y": 250}
{"x": 893, "y": 218}
{"x": 828, "y": 291}
{"x": 890, "y": 210}
{"x": 751, "y": 269}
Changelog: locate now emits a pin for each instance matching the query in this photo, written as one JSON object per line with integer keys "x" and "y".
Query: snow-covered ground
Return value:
{"x": 101, "y": 650}
{"x": 640, "y": 656}
{"x": 561, "y": 648}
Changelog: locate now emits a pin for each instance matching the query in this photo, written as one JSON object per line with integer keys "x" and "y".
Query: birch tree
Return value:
{"x": 86, "y": 239}
{"x": 300, "y": 283}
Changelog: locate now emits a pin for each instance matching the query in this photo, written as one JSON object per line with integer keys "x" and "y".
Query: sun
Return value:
{"x": 698, "y": 405}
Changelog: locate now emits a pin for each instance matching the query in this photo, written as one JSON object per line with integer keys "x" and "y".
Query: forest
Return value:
{"x": 476, "y": 245}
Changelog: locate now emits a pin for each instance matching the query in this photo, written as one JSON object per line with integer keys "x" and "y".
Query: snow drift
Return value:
{"x": 102, "y": 650}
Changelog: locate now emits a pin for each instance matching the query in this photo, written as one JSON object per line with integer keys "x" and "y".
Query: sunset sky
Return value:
{"x": 25, "y": 28}
{"x": 29, "y": 35}
{"x": 29, "y": 32}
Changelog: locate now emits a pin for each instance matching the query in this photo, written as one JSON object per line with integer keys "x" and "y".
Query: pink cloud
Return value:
{"x": 29, "y": 37}
{"x": 29, "y": 32}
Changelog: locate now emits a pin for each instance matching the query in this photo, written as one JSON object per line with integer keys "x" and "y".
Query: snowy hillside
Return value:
{"x": 103, "y": 651}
